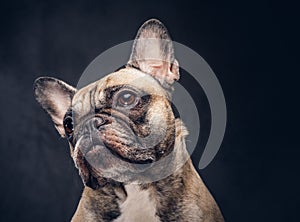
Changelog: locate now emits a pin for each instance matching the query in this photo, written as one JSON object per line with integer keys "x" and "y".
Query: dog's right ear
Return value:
{"x": 55, "y": 96}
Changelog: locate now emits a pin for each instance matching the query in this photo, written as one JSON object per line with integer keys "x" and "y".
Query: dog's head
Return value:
{"x": 121, "y": 124}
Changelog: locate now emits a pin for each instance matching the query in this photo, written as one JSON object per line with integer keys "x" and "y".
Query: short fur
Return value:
{"x": 124, "y": 150}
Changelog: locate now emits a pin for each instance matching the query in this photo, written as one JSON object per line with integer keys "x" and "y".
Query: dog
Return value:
{"x": 127, "y": 143}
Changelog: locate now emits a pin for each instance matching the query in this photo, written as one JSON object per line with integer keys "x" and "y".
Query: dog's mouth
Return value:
{"x": 102, "y": 161}
{"x": 104, "y": 155}
{"x": 117, "y": 145}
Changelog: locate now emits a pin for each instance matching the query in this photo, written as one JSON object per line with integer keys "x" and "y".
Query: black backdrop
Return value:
{"x": 247, "y": 44}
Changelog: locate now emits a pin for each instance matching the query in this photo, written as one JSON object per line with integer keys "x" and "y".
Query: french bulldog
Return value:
{"x": 126, "y": 141}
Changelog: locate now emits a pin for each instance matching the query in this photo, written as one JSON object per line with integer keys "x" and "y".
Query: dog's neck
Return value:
{"x": 119, "y": 202}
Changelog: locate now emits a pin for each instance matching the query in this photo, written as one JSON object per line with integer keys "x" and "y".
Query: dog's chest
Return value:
{"x": 137, "y": 207}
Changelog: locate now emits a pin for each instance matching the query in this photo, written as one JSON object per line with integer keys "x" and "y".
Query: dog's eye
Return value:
{"x": 127, "y": 98}
{"x": 68, "y": 125}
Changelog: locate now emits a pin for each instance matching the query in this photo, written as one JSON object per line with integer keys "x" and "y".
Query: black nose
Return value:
{"x": 99, "y": 121}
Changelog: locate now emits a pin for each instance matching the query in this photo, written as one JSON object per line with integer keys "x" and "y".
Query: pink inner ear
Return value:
{"x": 161, "y": 70}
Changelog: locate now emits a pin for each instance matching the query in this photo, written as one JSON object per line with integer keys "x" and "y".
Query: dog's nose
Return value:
{"x": 96, "y": 123}
{"x": 99, "y": 121}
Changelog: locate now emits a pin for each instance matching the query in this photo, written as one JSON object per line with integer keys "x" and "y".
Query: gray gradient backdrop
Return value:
{"x": 247, "y": 44}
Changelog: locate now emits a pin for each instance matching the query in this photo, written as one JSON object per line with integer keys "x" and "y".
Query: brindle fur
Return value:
{"x": 181, "y": 196}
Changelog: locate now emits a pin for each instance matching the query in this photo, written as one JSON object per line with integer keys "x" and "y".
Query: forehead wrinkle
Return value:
{"x": 135, "y": 78}
{"x": 82, "y": 99}
{"x": 81, "y": 103}
{"x": 89, "y": 97}
{"x": 99, "y": 95}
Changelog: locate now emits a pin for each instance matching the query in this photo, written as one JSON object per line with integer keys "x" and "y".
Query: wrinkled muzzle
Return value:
{"x": 114, "y": 148}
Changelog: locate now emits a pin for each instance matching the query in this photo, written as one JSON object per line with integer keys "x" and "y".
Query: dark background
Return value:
{"x": 249, "y": 45}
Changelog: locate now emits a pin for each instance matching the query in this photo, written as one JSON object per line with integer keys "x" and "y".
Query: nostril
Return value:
{"x": 98, "y": 122}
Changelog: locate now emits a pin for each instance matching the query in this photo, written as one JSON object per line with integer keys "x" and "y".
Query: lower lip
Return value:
{"x": 105, "y": 155}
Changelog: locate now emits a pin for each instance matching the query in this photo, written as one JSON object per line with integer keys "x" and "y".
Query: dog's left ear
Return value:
{"x": 153, "y": 53}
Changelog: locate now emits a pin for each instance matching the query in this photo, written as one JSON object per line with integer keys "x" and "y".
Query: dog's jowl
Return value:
{"x": 126, "y": 142}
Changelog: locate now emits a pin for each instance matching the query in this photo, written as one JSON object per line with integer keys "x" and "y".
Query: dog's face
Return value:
{"x": 121, "y": 124}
